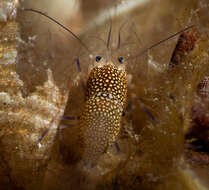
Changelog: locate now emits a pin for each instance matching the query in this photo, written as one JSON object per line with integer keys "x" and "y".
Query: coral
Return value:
{"x": 23, "y": 119}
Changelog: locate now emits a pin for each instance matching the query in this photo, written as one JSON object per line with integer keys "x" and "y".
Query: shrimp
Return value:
{"x": 105, "y": 101}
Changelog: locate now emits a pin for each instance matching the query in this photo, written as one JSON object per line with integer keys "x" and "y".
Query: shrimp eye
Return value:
{"x": 121, "y": 60}
{"x": 98, "y": 58}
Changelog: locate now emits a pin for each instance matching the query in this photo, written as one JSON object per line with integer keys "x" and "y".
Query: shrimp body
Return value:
{"x": 104, "y": 102}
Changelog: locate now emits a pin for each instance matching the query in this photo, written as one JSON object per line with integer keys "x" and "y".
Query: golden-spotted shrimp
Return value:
{"x": 105, "y": 101}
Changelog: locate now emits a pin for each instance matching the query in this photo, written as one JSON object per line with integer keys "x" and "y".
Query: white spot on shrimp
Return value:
{"x": 99, "y": 94}
{"x": 110, "y": 96}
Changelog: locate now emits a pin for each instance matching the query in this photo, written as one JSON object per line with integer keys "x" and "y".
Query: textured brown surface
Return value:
{"x": 23, "y": 118}
{"x": 186, "y": 43}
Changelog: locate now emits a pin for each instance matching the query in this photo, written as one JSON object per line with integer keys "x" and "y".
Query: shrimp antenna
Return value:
{"x": 118, "y": 46}
{"x": 162, "y": 41}
{"x": 119, "y": 36}
{"x": 119, "y": 32}
{"x": 61, "y": 25}
{"x": 109, "y": 35}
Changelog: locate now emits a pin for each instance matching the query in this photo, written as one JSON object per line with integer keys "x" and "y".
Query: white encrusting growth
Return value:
{"x": 31, "y": 120}
{"x": 8, "y": 10}
{"x": 29, "y": 104}
{"x": 38, "y": 111}
{"x": 155, "y": 65}
{"x": 25, "y": 116}
{"x": 6, "y": 54}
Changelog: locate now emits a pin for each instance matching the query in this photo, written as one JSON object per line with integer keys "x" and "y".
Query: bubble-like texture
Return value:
{"x": 105, "y": 99}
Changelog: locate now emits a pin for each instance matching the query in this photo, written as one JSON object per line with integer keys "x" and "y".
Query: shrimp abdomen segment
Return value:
{"x": 100, "y": 126}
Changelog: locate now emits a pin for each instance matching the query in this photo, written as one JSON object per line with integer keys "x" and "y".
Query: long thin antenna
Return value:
{"x": 109, "y": 35}
{"x": 118, "y": 46}
{"x": 61, "y": 25}
{"x": 119, "y": 36}
{"x": 158, "y": 43}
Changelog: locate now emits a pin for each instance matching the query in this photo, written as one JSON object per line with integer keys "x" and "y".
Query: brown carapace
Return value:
{"x": 104, "y": 103}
